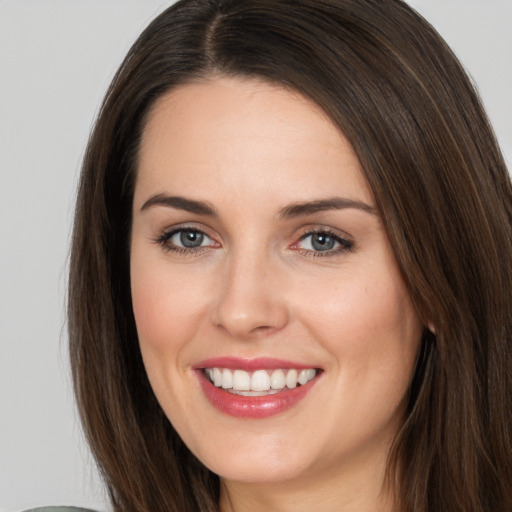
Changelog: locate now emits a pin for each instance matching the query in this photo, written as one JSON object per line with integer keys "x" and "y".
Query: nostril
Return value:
{"x": 253, "y": 321}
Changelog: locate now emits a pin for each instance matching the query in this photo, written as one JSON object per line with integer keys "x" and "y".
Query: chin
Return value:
{"x": 259, "y": 471}
{"x": 243, "y": 455}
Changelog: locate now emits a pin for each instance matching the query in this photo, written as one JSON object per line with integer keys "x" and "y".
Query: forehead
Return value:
{"x": 246, "y": 135}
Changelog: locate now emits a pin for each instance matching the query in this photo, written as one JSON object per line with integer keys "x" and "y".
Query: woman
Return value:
{"x": 290, "y": 278}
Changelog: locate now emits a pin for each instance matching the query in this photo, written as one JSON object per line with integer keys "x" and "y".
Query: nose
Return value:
{"x": 251, "y": 298}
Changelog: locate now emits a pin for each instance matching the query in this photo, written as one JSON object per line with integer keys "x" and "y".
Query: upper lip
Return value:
{"x": 258, "y": 363}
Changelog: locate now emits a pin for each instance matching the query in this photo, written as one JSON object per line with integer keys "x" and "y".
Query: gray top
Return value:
{"x": 60, "y": 509}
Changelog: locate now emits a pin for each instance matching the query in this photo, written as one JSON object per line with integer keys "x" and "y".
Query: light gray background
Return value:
{"x": 56, "y": 60}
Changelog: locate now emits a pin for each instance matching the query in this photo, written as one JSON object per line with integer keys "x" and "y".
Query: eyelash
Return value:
{"x": 164, "y": 241}
{"x": 345, "y": 245}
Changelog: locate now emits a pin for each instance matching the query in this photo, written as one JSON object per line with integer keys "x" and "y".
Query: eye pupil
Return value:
{"x": 322, "y": 242}
{"x": 191, "y": 238}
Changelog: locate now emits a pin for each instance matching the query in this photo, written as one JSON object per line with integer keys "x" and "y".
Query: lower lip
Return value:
{"x": 253, "y": 406}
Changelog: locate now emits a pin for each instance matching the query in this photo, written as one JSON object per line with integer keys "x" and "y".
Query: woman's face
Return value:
{"x": 259, "y": 262}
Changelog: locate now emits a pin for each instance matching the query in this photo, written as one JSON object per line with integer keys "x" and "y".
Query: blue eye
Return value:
{"x": 185, "y": 240}
{"x": 188, "y": 238}
{"x": 324, "y": 242}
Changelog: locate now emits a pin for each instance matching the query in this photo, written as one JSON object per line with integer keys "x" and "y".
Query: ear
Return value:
{"x": 431, "y": 328}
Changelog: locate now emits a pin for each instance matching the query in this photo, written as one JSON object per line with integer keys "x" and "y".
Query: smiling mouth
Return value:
{"x": 259, "y": 382}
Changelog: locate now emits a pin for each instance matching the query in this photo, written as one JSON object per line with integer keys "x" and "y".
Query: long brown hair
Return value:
{"x": 396, "y": 91}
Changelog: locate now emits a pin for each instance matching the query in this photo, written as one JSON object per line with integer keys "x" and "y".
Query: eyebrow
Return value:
{"x": 322, "y": 205}
{"x": 181, "y": 203}
{"x": 288, "y": 212}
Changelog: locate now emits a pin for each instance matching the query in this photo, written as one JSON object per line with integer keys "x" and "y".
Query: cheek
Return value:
{"x": 370, "y": 328}
{"x": 366, "y": 319}
{"x": 166, "y": 305}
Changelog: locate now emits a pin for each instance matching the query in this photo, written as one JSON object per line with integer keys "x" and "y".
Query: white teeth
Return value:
{"x": 291, "y": 378}
{"x": 306, "y": 376}
{"x": 217, "y": 377}
{"x": 254, "y": 393}
{"x": 241, "y": 380}
{"x": 277, "y": 379}
{"x": 227, "y": 379}
{"x": 260, "y": 382}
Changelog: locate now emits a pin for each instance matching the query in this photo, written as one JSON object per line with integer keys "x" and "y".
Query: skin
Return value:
{"x": 258, "y": 287}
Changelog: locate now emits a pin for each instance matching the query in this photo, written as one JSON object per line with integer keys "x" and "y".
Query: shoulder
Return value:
{"x": 60, "y": 509}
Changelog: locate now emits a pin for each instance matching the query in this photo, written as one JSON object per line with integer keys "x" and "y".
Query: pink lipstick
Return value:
{"x": 255, "y": 388}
